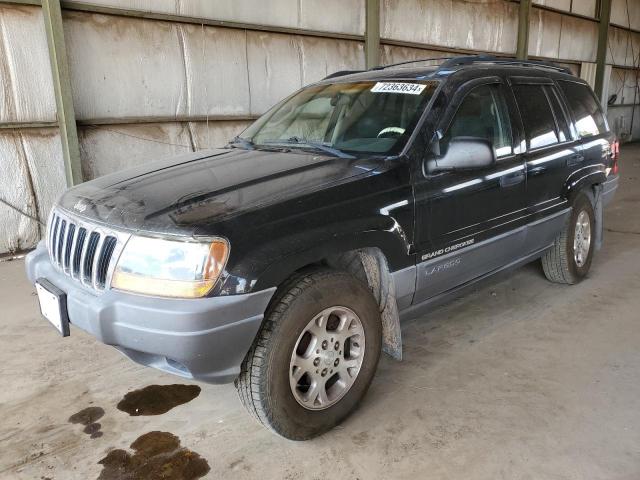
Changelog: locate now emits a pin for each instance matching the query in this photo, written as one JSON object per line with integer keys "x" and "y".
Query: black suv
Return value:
{"x": 285, "y": 261}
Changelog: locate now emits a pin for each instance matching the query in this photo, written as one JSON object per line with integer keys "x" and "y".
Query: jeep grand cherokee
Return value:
{"x": 285, "y": 261}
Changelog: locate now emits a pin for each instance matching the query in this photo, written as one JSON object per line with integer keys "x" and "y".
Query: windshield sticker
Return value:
{"x": 398, "y": 87}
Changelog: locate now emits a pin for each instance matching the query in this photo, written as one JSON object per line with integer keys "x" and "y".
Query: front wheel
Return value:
{"x": 569, "y": 260}
{"x": 314, "y": 356}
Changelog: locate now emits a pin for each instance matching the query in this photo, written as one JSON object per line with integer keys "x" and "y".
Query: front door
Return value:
{"x": 469, "y": 221}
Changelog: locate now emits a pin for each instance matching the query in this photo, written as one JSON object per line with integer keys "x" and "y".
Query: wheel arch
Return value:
{"x": 368, "y": 263}
{"x": 589, "y": 184}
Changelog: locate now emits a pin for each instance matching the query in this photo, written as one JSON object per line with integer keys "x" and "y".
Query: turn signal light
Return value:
{"x": 615, "y": 155}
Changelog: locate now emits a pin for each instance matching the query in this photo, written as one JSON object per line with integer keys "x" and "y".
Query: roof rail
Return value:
{"x": 450, "y": 62}
{"x": 340, "y": 73}
{"x": 470, "y": 59}
{"x": 382, "y": 67}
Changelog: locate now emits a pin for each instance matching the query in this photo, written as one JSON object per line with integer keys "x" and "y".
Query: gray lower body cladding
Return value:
{"x": 204, "y": 339}
{"x": 609, "y": 189}
{"x": 446, "y": 276}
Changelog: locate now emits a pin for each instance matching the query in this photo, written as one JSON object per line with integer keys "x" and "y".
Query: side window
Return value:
{"x": 537, "y": 117}
{"x": 586, "y": 111}
{"x": 483, "y": 114}
{"x": 564, "y": 133}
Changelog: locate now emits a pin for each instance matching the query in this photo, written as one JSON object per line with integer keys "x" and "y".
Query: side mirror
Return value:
{"x": 464, "y": 153}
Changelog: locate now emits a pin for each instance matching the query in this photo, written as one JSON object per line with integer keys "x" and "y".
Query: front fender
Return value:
{"x": 273, "y": 260}
{"x": 391, "y": 242}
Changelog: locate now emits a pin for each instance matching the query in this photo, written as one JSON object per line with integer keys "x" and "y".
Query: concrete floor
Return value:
{"x": 521, "y": 379}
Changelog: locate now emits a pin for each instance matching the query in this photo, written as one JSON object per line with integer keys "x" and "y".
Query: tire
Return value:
{"x": 264, "y": 384}
{"x": 560, "y": 263}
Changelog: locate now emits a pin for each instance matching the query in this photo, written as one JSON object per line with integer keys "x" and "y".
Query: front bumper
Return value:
{"x": 205, "y": 339}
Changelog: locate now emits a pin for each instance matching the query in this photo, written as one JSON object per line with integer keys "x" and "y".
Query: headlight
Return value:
{"x": 170, "y": 268}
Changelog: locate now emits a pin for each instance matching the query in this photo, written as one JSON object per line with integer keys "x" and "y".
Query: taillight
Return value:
{"x": 615, "y": 155}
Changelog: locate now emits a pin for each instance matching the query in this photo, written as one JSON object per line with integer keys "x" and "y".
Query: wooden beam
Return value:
{"x": 372, "y": 34}
{"x": 27, "y": 125}
{"x": 36, "y": 3}
{"x": 603, "y": 42}
{"x": 524, "y": 12}
{"x": 62, "y": 89}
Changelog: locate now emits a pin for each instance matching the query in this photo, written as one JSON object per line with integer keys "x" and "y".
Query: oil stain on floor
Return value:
{"x": 88, "y": 417}
{"x": 157, "y": 399}
{"x": 156, "y": 455}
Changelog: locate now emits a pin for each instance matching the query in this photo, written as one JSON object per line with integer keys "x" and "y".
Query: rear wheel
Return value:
{"x": 314, "y": 356}
{"x": 569, "y": 260}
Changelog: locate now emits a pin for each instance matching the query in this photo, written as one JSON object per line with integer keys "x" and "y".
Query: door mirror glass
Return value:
{"x": 464, "y": 153}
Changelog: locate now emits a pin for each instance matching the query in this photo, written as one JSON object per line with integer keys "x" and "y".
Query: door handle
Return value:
{"x": 575, "y": 159}
{"x": 512, "y": 179}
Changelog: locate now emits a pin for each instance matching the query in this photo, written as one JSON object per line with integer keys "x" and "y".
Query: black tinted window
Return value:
{"x": 483, "y": 114}
{"x": 537, "y": 117}
{"x": 585, "y": 109}
{"x": 561, "y": 118}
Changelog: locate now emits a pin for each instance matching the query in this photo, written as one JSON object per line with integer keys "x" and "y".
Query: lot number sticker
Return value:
{"x": 398, "y": 87}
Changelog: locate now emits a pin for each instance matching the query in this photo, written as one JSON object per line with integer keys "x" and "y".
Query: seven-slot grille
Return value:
{"x": 82, "y": 251}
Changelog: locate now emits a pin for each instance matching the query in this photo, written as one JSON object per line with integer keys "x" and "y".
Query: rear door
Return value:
{"x": 462, "y": 215}
{"x": 590, "y": 123}
{"x": 551, "y": 147}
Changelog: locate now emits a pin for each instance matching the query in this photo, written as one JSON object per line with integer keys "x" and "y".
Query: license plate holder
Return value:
{"x": 53, "y": 305}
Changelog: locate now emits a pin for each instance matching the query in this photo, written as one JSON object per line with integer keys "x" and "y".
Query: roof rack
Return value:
{"x": 470, "y": 59}
{"x": 382, "y": 67}
{"x": 450, "y": 62}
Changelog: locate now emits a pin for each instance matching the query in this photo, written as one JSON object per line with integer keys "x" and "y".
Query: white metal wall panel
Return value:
{"x": 123, "y": 67}
{"x": 623, "y": 84}
{"x": 282, "y": 13}
{"x": 275, "y": 68}
{"x": 322, "y": 56}
{"x": 216, "y": 74}
{"x": 487, "y": 26}
{"x": 578, "y": 39}
{"x": 559, "y": 4}
{"x": 390, "y": 54}
{"x": 107, "y": 149}
{"x": 544, "y": 33}
{"x": 31, "y": 178}
{"x": 215, "y": 134}
{"x": 621, "y": 16}
{"x": 620, "y": 48}
{"x": 155, "y": 6}
{"x": 585, "y": 7}
{"x": 341, "y": 16}
{"x": 26, "y": 87}
{"x": 279, "y": 64}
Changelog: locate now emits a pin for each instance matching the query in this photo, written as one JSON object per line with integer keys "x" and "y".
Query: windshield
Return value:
{"x": 368, "y": 117}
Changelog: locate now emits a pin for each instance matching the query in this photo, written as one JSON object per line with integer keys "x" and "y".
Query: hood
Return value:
{"x": 179, "y": 194}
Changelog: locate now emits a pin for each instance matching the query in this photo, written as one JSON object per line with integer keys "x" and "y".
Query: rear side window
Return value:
{"x": 585, "y": 109}
{"x": 537, "y": 117}
{"x": 561, "y": 118}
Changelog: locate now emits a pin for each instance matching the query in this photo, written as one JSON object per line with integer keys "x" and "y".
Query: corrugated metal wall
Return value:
{"x": 153, "y": 78}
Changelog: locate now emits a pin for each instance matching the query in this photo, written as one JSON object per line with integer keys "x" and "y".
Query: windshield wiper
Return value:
{"x": 308, "y": 143}
{"x": 243, "y": 142}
